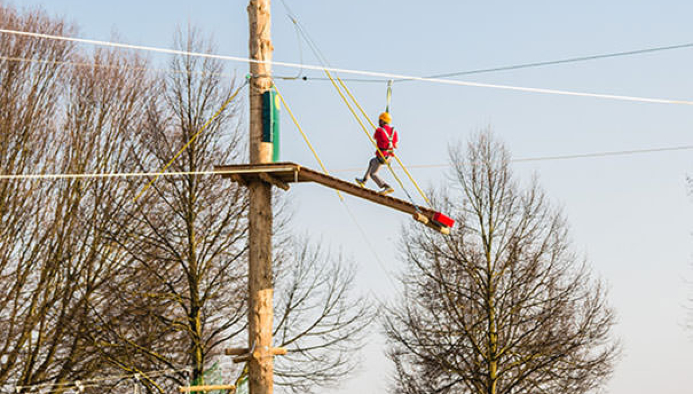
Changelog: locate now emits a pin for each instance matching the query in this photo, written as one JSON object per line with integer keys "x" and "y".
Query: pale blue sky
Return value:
{"x": 630, "y": 216}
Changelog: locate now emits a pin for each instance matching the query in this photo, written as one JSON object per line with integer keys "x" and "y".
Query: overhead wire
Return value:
{"x": 443, "y": 75}
{"x": 339, "y": 170}
{"x": 558, "y": 61}
{"x": 113, "y": 66}
{"x": 94, "y": 382}
{"x": 385, "y": 75}
{"x": 522, "y": 65}
{"x": 106, "y": 175}
{"x": 300, "y": 50}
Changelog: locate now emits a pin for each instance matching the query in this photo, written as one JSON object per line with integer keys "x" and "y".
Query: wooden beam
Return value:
{"x": 442, "y": 230}
{"x": 420, "y": 218}
{"x": 273, "y": 181}
{"x": 190, "y": 389}
{"x": 238, "y": 179}
{"x": 358, "y": 191}
{"x": 227, "y": 170}
{"x": 244, "y": 358}
{"x": 282, "y": 174}
{"x": 430, "y": 223}
{"x": 237, "y": 351}
{"x": 278, "y": 351}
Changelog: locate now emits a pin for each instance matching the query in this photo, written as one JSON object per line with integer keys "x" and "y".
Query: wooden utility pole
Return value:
{"x": 260, "y": 281}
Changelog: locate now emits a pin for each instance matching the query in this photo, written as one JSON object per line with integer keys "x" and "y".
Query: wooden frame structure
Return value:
{"x": 284, "y": 173}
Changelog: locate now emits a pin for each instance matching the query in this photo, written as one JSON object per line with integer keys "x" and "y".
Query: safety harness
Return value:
{"x": 390, "y": 143}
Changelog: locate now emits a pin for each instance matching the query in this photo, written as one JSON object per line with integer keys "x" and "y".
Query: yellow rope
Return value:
{"x": 365, "y": 129}
{"x": 373, "y": 125}
{"x": 223, "y": 106}
{"x": 305, "y": 137}
{"x": 351, "y": 214}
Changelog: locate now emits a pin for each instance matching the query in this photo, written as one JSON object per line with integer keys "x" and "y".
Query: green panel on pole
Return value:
{"x": 270, "y": 121}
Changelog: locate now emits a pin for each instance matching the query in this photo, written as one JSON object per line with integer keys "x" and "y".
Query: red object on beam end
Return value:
{"x": 443, "y": 220}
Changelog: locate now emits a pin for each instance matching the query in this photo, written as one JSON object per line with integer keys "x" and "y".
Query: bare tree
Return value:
{"x": 70, "y": 120}
{"x": 502, "y": 305}
{"x": 95, "y": 283}
{"x": 184, "y": 291}
{"x": 317, "y": 318}
{"x": 181, "y": 294}
{"x": 105, "y": 107}
{"x": 30, "y": 88}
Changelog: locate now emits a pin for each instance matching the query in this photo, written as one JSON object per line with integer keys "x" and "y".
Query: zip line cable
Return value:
{"x": 355, "y": 72}
{"x": 604, "y": 154}
{"x": 340, "y": 170}
{"x": 445, "y": 75}
{"x": 521, "y": 65}
{"x": 559, "y": 61}
{"x": 194, "y": 137}
{"x": 556, "y": 158}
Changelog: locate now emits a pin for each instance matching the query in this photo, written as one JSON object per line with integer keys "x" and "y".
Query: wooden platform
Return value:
{"x": 282, "y": 174}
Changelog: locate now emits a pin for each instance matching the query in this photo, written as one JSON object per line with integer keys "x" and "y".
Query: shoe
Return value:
{"x": 360, "y": 182}
{"x": 386, "y": 190}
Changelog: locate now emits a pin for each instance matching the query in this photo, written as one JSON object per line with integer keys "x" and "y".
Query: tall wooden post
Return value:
{"x": 260, "y": 281}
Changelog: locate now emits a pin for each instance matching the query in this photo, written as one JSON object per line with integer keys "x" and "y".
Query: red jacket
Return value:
{"x": 386, "y": 137}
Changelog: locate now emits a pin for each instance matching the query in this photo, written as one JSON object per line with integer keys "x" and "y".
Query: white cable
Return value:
{"x": 94, "y": 381}
{"x": 341, "y": 170}
{"x": 108, "y": 175}
{"x": 553, "y": 158}
{"x": 348, "y": 71}
{"x": 112, "y": 66}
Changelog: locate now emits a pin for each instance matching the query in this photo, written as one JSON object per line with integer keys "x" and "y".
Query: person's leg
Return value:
{"x": 362, "y": 181}
{"x": 373, "y": 169}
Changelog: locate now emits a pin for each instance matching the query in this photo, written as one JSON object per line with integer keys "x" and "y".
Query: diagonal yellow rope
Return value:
{"x": 305, "y": 137}
{"x": 223, "y": 107}
{"x": 373, "y": 126}
{"x": 341, "y": 197}
{"x": 365, "y": 130}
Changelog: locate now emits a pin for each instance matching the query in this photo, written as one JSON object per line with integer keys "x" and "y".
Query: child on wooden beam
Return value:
{"x": 386, "y": 139}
